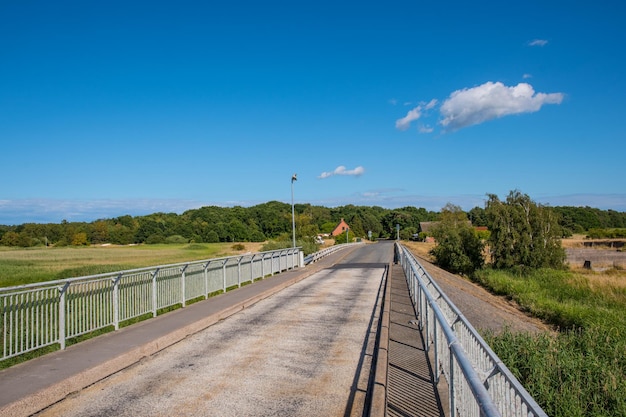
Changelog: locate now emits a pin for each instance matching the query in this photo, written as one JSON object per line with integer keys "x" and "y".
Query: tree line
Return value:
{"x": 267, "y": 221}
{"x": 270, "y": 221}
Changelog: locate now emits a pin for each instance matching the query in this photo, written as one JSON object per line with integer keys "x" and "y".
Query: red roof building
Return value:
{"x": 341, "y": 227}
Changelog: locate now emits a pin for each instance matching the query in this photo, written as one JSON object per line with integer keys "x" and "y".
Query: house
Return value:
{"x": 341, "y": 227}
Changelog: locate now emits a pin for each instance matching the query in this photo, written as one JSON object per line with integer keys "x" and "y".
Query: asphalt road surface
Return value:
{"x": 301, "y": 352}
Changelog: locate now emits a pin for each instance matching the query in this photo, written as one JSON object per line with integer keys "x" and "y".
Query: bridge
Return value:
{"x": 346, "y": 335}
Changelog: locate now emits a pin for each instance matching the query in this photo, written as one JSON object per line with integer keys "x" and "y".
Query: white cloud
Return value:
{"x": 405, "y": 122}
{"x": 538, "y": 42}
{"x": 425, "y": 129}
{"x": 491, "y": 100}
{"x": 414, "y": 114}
{"x": 526, "y": 76}
{"x": 341, "y": 170}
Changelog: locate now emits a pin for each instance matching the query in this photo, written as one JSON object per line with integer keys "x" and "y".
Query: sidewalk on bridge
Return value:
{"x": 411, "y": 389}
{"x": 31, "y": 386}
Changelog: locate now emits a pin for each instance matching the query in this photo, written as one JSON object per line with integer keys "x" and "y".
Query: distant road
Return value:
{"x": 300, "y": 352}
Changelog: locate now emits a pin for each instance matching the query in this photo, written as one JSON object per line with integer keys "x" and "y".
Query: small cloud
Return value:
{"x": 414, "y": 114}
{"x": 405, "y": 122}
{"x": 538, "y": 42}
{"x": 489, "y": 101}
{"x": 393, "y": 101}
{"x": 526, "y": 76}
{"x": 425, "y": 129}
{"x": 341, "y": 170}
{"x": 432, "y": 103}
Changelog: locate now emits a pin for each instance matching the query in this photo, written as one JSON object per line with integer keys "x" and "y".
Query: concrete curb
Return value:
{"x": 54, "y": 393}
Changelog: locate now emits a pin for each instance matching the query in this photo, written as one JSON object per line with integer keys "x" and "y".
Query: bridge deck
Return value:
{"x": 410, "y": 387}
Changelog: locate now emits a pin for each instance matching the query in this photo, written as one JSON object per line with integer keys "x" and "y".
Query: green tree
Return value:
{"x": 459, "y": 249}
{"x": 523, "y": 233}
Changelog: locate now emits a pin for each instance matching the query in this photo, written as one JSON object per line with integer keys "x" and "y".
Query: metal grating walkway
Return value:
{"x": 410, "y": 387}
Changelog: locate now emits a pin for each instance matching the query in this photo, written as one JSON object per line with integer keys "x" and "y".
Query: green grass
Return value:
{"x": 24, "y": 266}
{"x": 581, "y": 369}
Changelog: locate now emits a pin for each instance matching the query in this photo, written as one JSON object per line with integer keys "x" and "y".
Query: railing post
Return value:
{"x": 436, "y": 352}
{"x": 62, "y": 303}
{"x": 451, "y": 382}
{"x": 183, "y": 284}
{"x": 154, "y": 293}
{"x": 224, "y": 274}
{"x": 116, "y": 301}
{"x": 252, "y": 269}
{"x": 206, "y": 280}
{"x": 239, "y": 272}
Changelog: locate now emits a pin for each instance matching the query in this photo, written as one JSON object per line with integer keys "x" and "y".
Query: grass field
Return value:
{"x": 24, "y": 266}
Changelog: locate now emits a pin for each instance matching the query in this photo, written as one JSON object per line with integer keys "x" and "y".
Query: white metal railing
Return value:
{"x": 314, "y": 257}
{"x": 479, "y": 383}
{"x": 37, "y": 315}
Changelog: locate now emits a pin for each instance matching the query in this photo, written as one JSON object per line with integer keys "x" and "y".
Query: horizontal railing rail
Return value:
{"x": 479, "y": 383}
{"x": 314, "y": 257}
{"x": 34, "y": 316}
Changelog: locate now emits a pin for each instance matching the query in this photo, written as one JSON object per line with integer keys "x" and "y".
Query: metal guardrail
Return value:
{"x": 479, "y": 383}
{"x": 314, "y": 257}
{"x": 37, "y": 315}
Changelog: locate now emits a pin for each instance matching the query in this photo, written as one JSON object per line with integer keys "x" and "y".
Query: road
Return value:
{"x": 303, "y": 351}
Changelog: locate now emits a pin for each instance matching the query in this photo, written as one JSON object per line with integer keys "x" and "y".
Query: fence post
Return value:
{"x": 206, "y": 280}
{"x": 182, "y": 284}
{"x": 239, "y": 272}
{"x": 451, "y": 383}
{"x": 252, "y": 269}
{"x": 154, "y": 293}
{"x": 263, "y": 266}
{"x": 224, "y": 274}
{"x": 62, "y": 302}
{"x": 116, "y": 301}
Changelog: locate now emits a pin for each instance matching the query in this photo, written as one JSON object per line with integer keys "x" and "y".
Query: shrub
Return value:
{"x": 176, "y": 239}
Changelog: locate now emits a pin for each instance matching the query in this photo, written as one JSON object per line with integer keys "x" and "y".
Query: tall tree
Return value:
{"x": 523, "y": 233}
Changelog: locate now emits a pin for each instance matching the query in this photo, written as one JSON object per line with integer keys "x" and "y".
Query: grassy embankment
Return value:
{"x": 581, "y": 369}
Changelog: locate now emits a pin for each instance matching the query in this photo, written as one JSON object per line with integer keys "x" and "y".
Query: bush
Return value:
{"x": 155, "y": 239}
{"x": 176, "y": 239}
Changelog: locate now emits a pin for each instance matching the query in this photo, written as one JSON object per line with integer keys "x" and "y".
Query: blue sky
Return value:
{"x": 132, "y": 107}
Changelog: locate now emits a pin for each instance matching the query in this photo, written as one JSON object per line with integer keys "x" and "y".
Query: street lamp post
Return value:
{"x": 293, "y": 213}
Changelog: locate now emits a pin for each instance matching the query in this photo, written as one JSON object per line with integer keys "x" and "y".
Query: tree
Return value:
{"x": 459, "y": 249}
{"x": 523, "y": 233}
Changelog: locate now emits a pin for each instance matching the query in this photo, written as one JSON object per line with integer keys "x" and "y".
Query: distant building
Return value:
{"x": 341, "y": 227}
